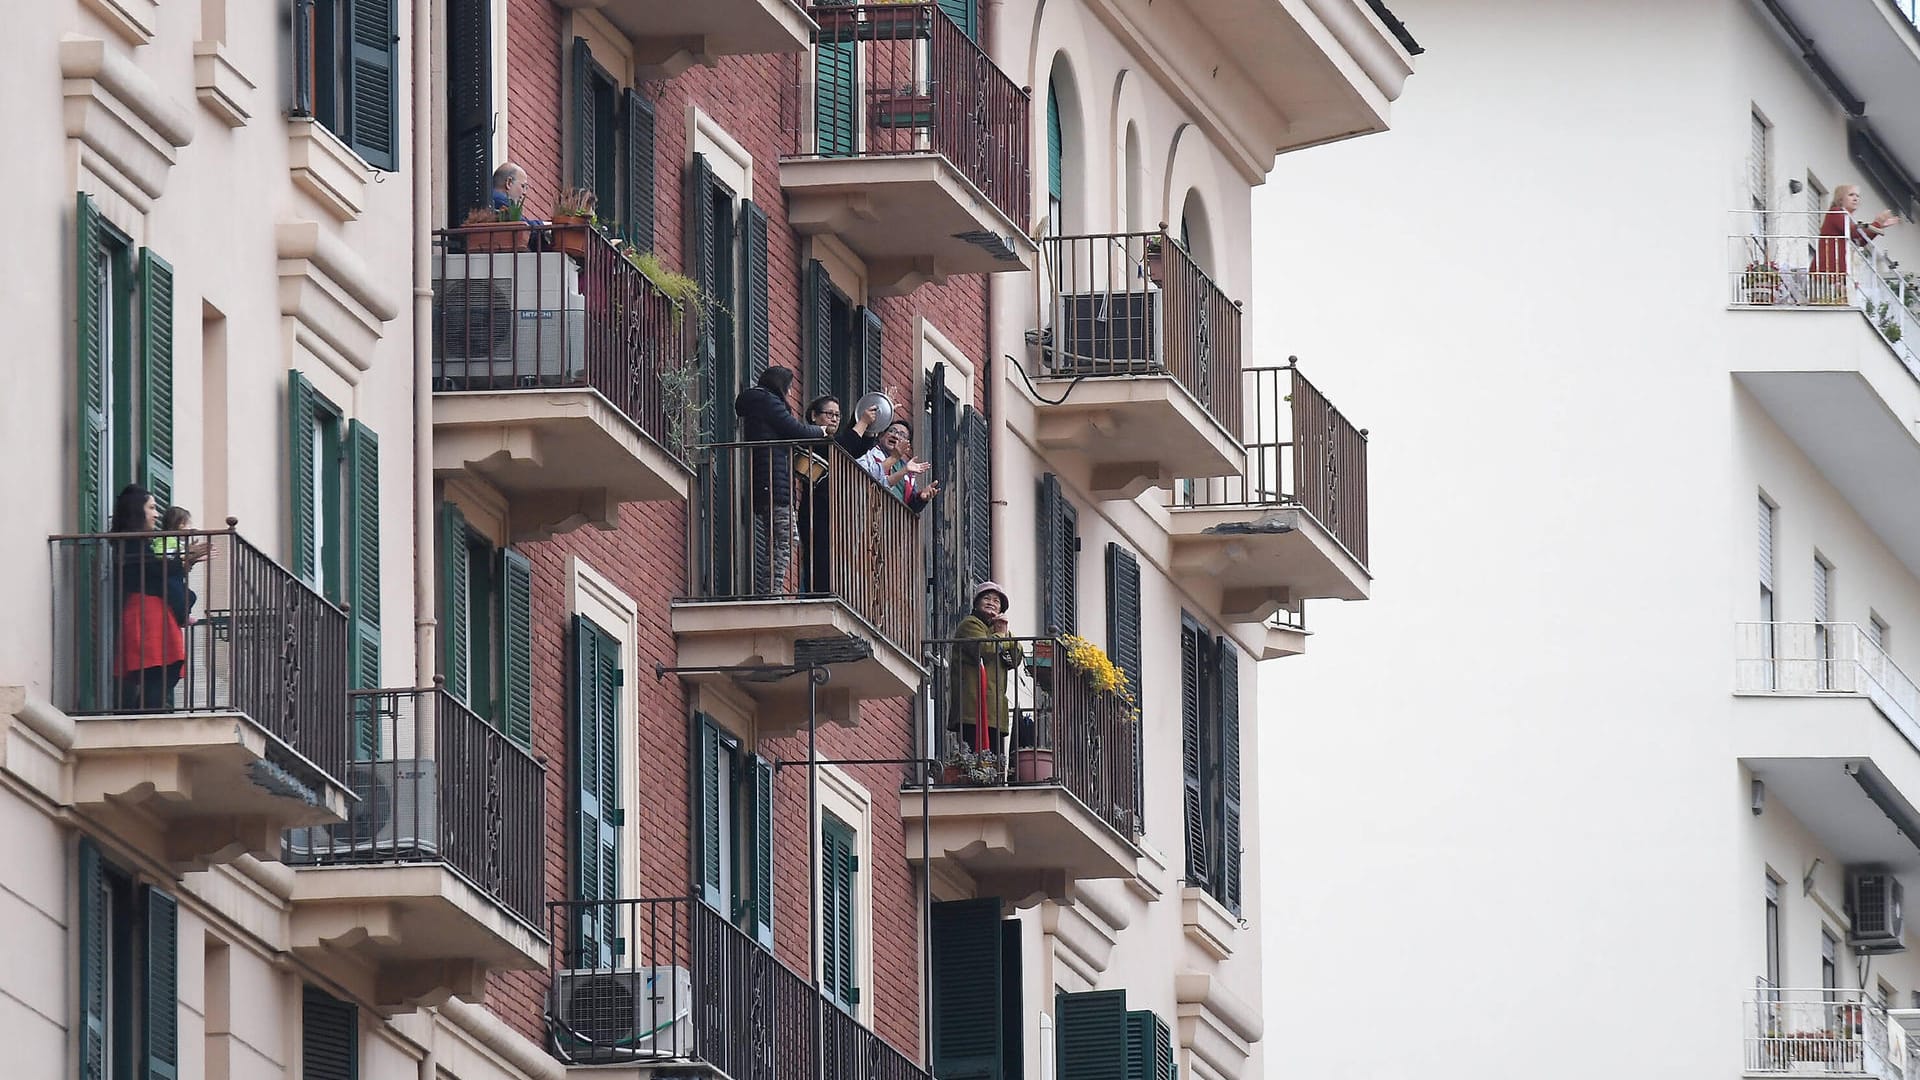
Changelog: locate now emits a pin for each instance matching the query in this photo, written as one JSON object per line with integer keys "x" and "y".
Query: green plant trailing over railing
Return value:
{"x": 679, "y": 381}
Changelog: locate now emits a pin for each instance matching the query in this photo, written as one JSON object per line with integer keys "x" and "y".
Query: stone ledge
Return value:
{"x": 220, "y": 86}
{"x": 128, "y": 129}
{"x": 326, "y": 168}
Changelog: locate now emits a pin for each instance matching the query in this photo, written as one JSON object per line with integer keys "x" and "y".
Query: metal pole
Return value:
{"x": 815, "y": 676}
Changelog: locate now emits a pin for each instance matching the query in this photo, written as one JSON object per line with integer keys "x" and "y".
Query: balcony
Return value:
{"x": 851, "y": 595}
{"x": 1141, "y": 352}
{"x": 1832, "y": 728}
{"x": 553, "y": 373}
{"x": 1057, "y": 800}
{"x": 668, "y": 985}
{"x": 1294, "y": 528}
{"x": 912, "y": 148}
{"x": 1825, "y": 1032}
{"x": 669, "y": 38}
{"x": 205, "y": 741}
{"x": 437, "y": 876}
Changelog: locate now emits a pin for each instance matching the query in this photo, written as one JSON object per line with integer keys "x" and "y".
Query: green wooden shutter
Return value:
{"x": 1227, "y": 673}
{"x": 363, "y": 562}
{"x": 1059, "y": 527}
{"x": 596, "y": 769}
{"x": 372, "y": 124}
{"x": 160, "y": 1023}
{"x": 761, "y": 772}
{"x": 156, "y": 375}
{"x": 1090, "y": 1035}
{"x": 300, "y": 435}
{"x": 1123, "y": 645}
{"x": 1149, "y": 1046}
{"x": 838, "y": 866}
{"x": 94, "y": 962}
{"x": 637, "y": 214}
{"x": 964, "y": 14}
{"x": 1056, "y": 142}
{"x": 757, "y": 316}
{"x": 871, "y": 340}
{"x": 707, "y": 788}
{"x": 469, "y": 107}
{"x": 819, "y": 314}
{"x": 836, "y": 90}
{"x": 517, "y": 619}
{"x": 329, "y": 1037}
{"x": 1191, "y": 643}
{"x": 586, "y": 151}
{"x": 977, "y": 509}
{"x": 456, "y": 584}
{"x": 92, "y": 474}
{"x": 703, "y": 263}
{"x": 965, "y": 939}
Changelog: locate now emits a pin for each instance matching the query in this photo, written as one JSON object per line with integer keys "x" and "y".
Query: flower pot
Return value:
{"x": 571, "y": 241}
{"x": 1033, "y": 766}
{"x": 951, "y": 774}
{"x": 488, "y": 239}
{"x": 1760, "y": 294}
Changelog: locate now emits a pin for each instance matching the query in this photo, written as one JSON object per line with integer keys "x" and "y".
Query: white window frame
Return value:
{"x": 594, "y": 595}
{"x": 849, "y": 801}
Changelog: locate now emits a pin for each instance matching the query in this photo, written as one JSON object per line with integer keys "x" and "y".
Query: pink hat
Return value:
{"x": 990, "y": 587}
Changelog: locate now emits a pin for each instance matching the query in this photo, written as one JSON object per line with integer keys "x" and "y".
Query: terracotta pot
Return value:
{"x": 483, "y": 240}
{"x": 1033, "y": 766}
{"x": 571, "y": 241}
{"x": 951, "y": 774}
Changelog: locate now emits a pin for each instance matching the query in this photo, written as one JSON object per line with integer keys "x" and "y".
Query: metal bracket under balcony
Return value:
{"x": 669, "y": 38}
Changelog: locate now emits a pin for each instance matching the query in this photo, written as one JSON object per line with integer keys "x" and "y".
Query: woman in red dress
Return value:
{"x": 1829, "y": 285}
{"x": 150, "y": 651}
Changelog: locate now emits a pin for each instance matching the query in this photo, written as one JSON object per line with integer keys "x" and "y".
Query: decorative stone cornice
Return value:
{"x": 127, "y": 128}
{"x": 330, "y": 292}
{"x": 1215, "y": 1023}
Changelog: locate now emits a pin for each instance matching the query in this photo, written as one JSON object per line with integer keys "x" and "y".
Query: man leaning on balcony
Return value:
{"x": 510, "y": 189}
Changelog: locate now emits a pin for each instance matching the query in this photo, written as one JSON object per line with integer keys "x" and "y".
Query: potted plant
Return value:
{"x": 484, "y": 239}
{"x": 1885, "y": 320}
{"x": 1761, "y": 281}
{"x": 1040, "y": 663}
{"x": 1156, "y": 256}
{"x": 574, "y": 214}
{"x": 1033, "y": 764}
{"x": 679, "y": 374}
{"x": 1102, "y": 674}
{"x": 966, "y": 766}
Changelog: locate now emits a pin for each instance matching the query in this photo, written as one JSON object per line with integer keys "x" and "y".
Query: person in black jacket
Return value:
{"x": 766, "y": 417}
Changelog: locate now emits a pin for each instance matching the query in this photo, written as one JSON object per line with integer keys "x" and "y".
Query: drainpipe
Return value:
{"x": 423, "y": 609}
{"x": 1000, "y": 289}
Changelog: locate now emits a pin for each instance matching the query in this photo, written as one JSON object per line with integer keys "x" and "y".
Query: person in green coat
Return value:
{"x": 982, "y": 656}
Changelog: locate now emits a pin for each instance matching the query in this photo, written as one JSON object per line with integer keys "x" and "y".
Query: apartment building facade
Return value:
{"x": 470, "y": 729}
{"x": 1674, "y": 758}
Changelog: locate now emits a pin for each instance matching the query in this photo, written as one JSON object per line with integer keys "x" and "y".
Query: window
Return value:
{"x": 976, "y": 1000}
{"x": 1878, "y": 632}
{"x": 1816, "y": 213}
{"x": 597, "y": 813}
{"x": 1056, "y": 151}
{"x": 612, "y": 129}
{"x": 1123, "y": 644}
{"x": 1829, "y": 961}
{"x": 486, "y": 626}
{"x": 344, "y": 72}
{"x": 129, "y": 974}
{"x": 1097, "y": 1038}
{"x": 1822, "y": 633}
{"x": 1759, "y": 173}
{"x": 965, "y": 15}
{"x": 329, "y": 1037}
{"x": 469, "y": 73}
{"x": 1768, "y": 513}
{"x": 1059, "y": 525}
{"x": 836, "y": 98}
{"x": 839, "y": 911}
{"x": 843, "y": 341}
{"x": 124, "y": 362}
{"x": 1773, "y": 931}
{"x": 1210, "y": 737}
{"x": 734, "y": 791}
{"x": 335, "y": 489}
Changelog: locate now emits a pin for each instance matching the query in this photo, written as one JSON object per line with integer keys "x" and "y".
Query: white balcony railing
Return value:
{"x": 1824, "y": 658}
{"x": 1825, "y": 1032}
{"x": 1778, "y": 259}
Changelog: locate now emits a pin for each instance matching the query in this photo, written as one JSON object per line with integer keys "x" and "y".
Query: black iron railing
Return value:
{"x": 436, "y": 783}
{"x": 573, "y": 312}
{"x": 199, "y": 622}
{"x": 687, "y": 985}
{"x": 1043, "y": 718}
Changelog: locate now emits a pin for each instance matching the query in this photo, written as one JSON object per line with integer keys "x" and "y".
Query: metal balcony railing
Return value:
{"x": 902, "y": 78}
{"x": 686, "y": 985}
{"x": 560, "y": 307}
{"x": 851, "y": 538}
{"x": 1063, "y": 727}
{"x": 1813, "y": 658}
{"x": 1824, "y": 1032}
{"x": 436, "y": 783}
{"x": 1777, "y": 259}
{"x": 142, "y": 623}
{"x": 1138, "y": 304}
{"x": 1301, "y": 451}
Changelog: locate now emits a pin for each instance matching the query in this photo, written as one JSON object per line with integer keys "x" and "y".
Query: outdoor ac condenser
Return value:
{"x": 606, "y": 1016}
{"x": 1874, "y": 902}
{"x": 395, "y": 818}
{"x": 1108, "y": 333}
{"x": 508, "y": 320}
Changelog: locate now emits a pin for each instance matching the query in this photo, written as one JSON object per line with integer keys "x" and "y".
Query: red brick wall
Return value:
{"x": 646, "y": 555}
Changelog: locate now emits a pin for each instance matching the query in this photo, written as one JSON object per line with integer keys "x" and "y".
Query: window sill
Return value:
{"x": 1208, "y": 923}
{"x": 325, "y": 168}
{"x": 219, "y": 85}
{"x": 133, "y": 20}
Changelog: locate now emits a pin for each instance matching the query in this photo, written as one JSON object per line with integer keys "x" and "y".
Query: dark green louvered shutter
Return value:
{"x": 1059, "y": 526}
{"x": 965, "y": 15}
{"x": 372, "y": 107}
{"x": 871, "y": 342}
{"x": 469, "y": 107}
{"x": 760, "y": 774}
{"x": 836, "y": 90}
{"x": 456, "y": 603}
{"x": 704, "y": 264}
{"x": 821, "y": 363}
{"x": 1192, "y": 643}
{"x": 756, "y": 319}
{"x": 1123, "y": 645}
{"x": 1090, "y": 1035}
{"x": 596, "y": 770}
{"x": 586, "y": 149}
{"x": 838, "y": 865}
{"x": 1227, "y": 674}
{"x": 156, "y": 376}
{"x": 94, "y": 963}
{"x": 300, "y": 450}
{"x": 92, "y": 476}
{"x": 637, "y": 192}
{"x": 1056, "y": 142}
{"x": 977, "y": 509}
{"x": 363, "y": 560}
{"x": 968, "y": 983}
{"x": 329, "y": 1037}
{"x": 707, "y": 793}
{"x": 1149, "y": 1047}
{"x": 516, "y": 597}
{"x": 160, "y": 1020}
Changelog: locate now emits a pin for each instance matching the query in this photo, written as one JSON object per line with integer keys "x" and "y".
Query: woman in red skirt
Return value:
{"x": 1829, "y": 285}
{"x": 150, "y": 651}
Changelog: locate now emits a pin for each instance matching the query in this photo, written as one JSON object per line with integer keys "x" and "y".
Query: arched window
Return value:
{"x": 1056, "y": 151}
{"x": 1135, "y": 182}
{"x": 1196, "y": 234}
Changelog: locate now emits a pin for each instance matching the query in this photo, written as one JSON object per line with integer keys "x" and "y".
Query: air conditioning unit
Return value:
{"x": 602, "y": 1016}
{"x": 1107, "y": 333}
{"x": 395, "y": 819}
{"x": 508, "y": 320}
{"x": 1873, "y": 903}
